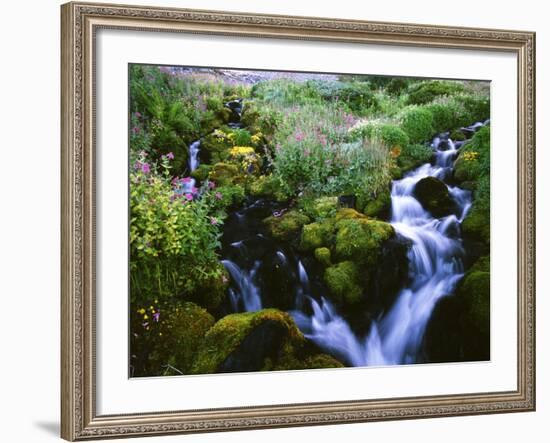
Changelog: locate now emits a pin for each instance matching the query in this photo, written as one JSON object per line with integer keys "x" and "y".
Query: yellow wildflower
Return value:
{"x": 141, "y": 311}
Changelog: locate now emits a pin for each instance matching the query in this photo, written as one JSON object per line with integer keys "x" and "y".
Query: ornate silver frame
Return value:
{"x": 80, "y": 21}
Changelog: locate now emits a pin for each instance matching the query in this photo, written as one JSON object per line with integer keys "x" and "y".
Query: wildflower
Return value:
{"x": 214, "y": 221}
{"x": 189, "y": 197}
{"x": 186, "y": 180}
{"x": 194, "y": 190}
{"x": 145, "y": 316}
{"x": 219, "y": 196}
{"x": 211, "y": 185}
{"x": 299, "y": 136}
{"x": 170, "y": 156}
{"x": 156, "y": 316}
{"x": 138, "y": 114}
{"x": 145, "y": 168}
{"x": 141, "y": 311}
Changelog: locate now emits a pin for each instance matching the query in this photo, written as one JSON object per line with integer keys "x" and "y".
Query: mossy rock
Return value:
{"x": 361, "y": 239}
{"x": 211, "y": 293}
{"x": 378, "y": 206}
{"x": 253, "y": 341}
{"x": 286, "y": 226}
{"x": 349, "y": 214}
{"x": 172, "y": 341}
{"x": 324, "y": 207}
{"x": 224, "y": 174}
{"x": 460, "y": 326}
{"x": 266, "y": 186}
{"x": 434, "y": 196}
{"x": 323, "y": 256}
{"x": 342, "y": 282}
{"x": 215, "y": 147}
{"x": 315, "y": 235}
{"x": 457, "y": 135}
{"x": 201, "y": 173}
{"x": 477, "y": 225}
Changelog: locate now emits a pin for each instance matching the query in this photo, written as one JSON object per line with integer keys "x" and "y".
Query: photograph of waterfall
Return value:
{"x": 293, "y": 220}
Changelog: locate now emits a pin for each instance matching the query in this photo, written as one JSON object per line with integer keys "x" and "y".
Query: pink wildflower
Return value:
{"x": 219, "y": 196}
{"x": 186, "y": 180}
{"x": 189, "y": 197}
{"x": 145, "y": 168}
{"x": 170, "y": 156}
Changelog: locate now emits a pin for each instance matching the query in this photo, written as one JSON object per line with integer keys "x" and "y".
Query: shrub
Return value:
{"x": 417, "y": 123}
{"x": 173, "y": 240}
{"x": 425, "y": 92}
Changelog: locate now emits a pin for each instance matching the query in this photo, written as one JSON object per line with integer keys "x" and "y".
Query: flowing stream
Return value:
{"x": 263, "y": 270}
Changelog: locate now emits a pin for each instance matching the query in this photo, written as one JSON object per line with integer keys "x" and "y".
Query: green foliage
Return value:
{"x": 391, "y": 135}
{"x": 473, "y": 162}
{"x": 417, "y": 153}
{"x": 417, "y": 122}
{"x": 241, "y": 137}
{"x": 173, "y": 241}
{"x": 342, "y": 282}
{"x": 315, "y": 235}
{"x": 375, "y": 206}
{"x": 224, "y": 174}
{"x": 165, "y": 336}
{"x": 397, "y": 85}
{"x": 425, "y": 92}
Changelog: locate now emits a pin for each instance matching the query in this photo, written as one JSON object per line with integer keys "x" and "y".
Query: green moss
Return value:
{"x": 477, "y": 224}
{"x": 457, "y": 135}
{"x": 224, "y": 174}
{"x": 266, "y": 186}
{"x": 171, "y": 340}
{"x": 315, "y": 235}
{"x": 286, "y": 226}
{"x": 324, "y": 207}
{"x": 349, "y": 213}
{"x": 417, "y": 123}
{"x": 475, "y": 288}
{"x": 289, "y": 351}
{"x": 413, "y": 156}
{"x": 323, "y": 256}
{"x": 473, "y": 161}
{"x": 360, "y": 240}
{"x": 377, "y": 206}
{"x": 427, "y": 91}
{"x": 228, "y": 333}
{"x": 434, "y": 196}
{"x": 341, "y": 280}
{"x": 201, "y": 173}
{"x": 215, "y": 146}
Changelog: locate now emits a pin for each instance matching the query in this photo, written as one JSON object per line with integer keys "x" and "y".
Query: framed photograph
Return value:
{"x": 282, "y": 221}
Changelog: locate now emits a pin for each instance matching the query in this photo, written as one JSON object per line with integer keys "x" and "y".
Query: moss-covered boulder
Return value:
{"x": 460, "y": 326}
{"x": 167, "y": 340}
{"x": 376, "y": 206}
{"x": 315, "y": 235}
{"x": 254, "y": 341}
{"x": 266, "y": 186}
{"x": 201, "y": 173}
{"x": 349, "y": 214}
{"x": 434, "y": 196}
{"x": 322, "y": 207}
{"x": 287, "y": 226}
{"x": 224, "y": 174}
{"x": 477, "y": 225}
{"x": 457, "y": 135}
{"x": 215, "y": 146}
{"x": 361, "y": 239}
{"x": 342, "y": 282}
{"x": 323, "y": 256}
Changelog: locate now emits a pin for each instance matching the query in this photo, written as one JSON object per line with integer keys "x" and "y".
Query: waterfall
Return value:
{"x": 193, "y": 164}
{"x": 246, "y": 292}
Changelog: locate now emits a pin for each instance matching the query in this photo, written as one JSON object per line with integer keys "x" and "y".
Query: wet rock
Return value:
{"x": 254, "y": 341}
{"x": 434, "y": 196}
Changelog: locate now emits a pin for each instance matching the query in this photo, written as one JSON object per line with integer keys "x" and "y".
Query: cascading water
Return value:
{"x": 435, "y": 266}
{"x": 193, "y": 163}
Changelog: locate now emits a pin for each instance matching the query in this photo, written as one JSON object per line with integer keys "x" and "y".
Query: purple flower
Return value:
{"x": 194, "y": 190}
{"x": 186, "y": 180}
{"x": 145, "y": 168}
{"x": 189, "y": 197}
{"x": 170, "y": 156}
{"x": 299, "y": 136}
{"x": 211, "y": 185}
{"x": 138, "y": 114}
{"x": 219, "y": 196}
{"x": 156, "y": 316}
{"x": 213, "y": 221}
